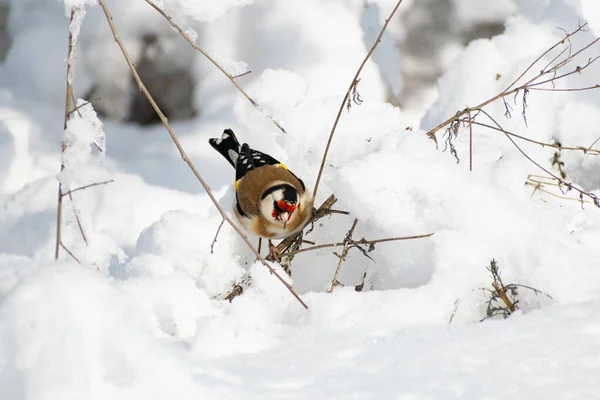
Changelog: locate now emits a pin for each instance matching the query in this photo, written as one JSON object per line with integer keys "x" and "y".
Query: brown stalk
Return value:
{"x": 217, "y": 235}
{"x": 69, "y": 102}
{"x": 351, "y": 89}
{"x": 184, "y": 156}
{"x": 69, "y": 253}
{"x": 215, "y": 63}
{"x": 470, "y": 142}
{"x": 543, "y": 144}
{"x": 87, "y": 186}
{"x": 501, "y": 290}
{"x": 362, "y": 241}
{"x": 335, "y": 282}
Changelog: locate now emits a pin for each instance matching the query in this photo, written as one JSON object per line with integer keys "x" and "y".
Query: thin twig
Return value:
{"x": 216, "y": 236}
{"x": 184, "y": 155}
{"x": 242, "y": 74}
{"x": 69, "y": 253}
{"x": 83, "y": 105}
{"x": 470, "y": 142}
{"x": 68, "y": 101}
{"x": 361, "y": 241}
{"x": 342, "y": 256}
{"x": 87, "y": 186}
{"x": 215, "y": 63}
{"x": 351, "y": 88}
{"x": 454, "y": 311}
{"x": 543, "y": 144}
{"x": 539, "y": 186}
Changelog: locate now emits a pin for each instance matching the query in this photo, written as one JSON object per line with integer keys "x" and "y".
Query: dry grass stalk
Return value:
{"x": 540, "y": 184}
{"x": 184, "y": 156}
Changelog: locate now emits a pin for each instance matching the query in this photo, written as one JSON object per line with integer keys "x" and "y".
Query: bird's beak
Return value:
{"x": 284, "y": 217}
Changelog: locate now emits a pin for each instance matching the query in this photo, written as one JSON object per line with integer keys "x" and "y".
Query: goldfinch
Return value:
{"x": 271, "y": 202}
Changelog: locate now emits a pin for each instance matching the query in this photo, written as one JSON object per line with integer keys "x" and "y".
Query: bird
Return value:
{"x": 270, "y": 200}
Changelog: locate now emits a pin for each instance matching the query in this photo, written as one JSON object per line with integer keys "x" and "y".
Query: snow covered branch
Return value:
{"x": 549, "y": 74}
{"x": 545, "y": 80}
{"x": 74, "y": 25}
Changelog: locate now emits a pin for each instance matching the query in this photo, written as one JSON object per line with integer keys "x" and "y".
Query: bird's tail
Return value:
{"x": 228, "y": 146}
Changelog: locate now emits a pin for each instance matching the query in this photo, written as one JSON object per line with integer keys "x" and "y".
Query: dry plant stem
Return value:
{"x": 69, "y": 253}
{"x": 69, "y": 100}
{"x": 502, "y": 293}
{"x": 83, "y": 105}
{"x": 347, "y": 96}
{"x": 216, "y": 236}
{"x": 470, "y": 143}
{"x": 532, "y": 83}
{"x": 558, "y": 179}
{"x": 215, "y": 63}
{"x": 87, "y": 186}
{"x": 588, "y": 150}
{"x": 454, "y": 311}
{"x": 184, "y": 155}
{"x": 342, "y": 256}
{"x": 361, "y": 241}
{"x": 538, "y": 188}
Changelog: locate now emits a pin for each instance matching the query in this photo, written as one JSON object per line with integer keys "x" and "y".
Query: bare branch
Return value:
{"x": 68, "y": 105}
{"x": 69, "y": 253}
{"x": 217, "y": 235}
{"x": 543, "y": 144}
{"x": 568, "y": 185}
{"x": 242, "y": 74}
{"x": 184, "y": 155}
{"x": 87, "y": 186}
{"x": 83, "y": 105}
{"x": 350, "y": 90}
{"x": 362, "y": 241}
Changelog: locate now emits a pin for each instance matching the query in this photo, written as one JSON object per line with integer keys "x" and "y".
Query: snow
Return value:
{"x": 141, "y": 314}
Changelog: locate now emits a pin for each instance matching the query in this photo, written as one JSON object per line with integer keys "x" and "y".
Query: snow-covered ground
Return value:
{"x": 142, "y": 317}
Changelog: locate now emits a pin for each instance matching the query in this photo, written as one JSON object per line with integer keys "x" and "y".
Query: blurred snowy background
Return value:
{"x": 142, "y": 318}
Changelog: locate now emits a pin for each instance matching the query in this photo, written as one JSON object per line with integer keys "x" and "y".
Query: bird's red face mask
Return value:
{"x": 282, "y": 210}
